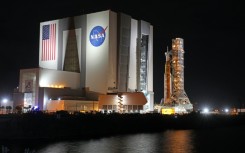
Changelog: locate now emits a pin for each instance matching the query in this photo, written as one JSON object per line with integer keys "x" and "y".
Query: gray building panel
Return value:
{"x": 123, "y": 51}
{"x": 144, "y": 27}
{"x": 71, "y": 61}
{"x": 81, "y": 22}
{"x": 63, "y": 25}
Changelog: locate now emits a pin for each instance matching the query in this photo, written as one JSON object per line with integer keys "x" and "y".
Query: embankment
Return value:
{"x": 37, "y": 126}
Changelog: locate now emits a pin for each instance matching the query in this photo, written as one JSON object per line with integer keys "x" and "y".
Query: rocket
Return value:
{"x": 174, "y": 92}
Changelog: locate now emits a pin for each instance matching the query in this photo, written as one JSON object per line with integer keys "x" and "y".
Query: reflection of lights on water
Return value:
{"x": 178, "y": 141}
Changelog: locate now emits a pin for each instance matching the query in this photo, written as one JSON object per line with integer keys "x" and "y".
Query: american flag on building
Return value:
{"x": 48, "y": 42}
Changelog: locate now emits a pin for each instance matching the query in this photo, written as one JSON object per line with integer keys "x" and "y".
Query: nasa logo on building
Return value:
{"x": 97, "y": 36}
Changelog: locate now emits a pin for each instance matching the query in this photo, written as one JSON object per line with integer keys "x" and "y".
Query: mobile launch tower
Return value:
{"x": 175, "y": 97}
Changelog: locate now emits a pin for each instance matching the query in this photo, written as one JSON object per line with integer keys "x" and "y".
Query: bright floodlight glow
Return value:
{"x": 5, "y": 100}
{"x": 58, "y": 98}
{"x": 226, "y": 110}
{"x": 205, "y": 110}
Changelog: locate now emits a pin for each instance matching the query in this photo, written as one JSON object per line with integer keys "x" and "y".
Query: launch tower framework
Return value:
{"x": 175, "y": 96}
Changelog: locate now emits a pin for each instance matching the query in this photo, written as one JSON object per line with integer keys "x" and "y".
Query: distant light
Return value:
{"x": 35, "y": 107}
{"x": 205, "y": 110}
{"x": 176, "y": 109}
{"x": 226, "y": 110}
{"x": 5, "y": 100}
{"x": 58, "y": 98}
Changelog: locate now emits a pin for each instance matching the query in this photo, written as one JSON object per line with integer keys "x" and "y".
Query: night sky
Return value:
{"x": 213, "y": 33}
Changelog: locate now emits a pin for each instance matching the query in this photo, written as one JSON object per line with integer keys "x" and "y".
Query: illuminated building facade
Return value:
{"x": 101, "y": 54}
{"x": 174, "y": 92}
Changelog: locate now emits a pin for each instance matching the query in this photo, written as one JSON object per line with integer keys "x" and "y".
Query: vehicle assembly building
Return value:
{"x": 175, "y": 98}
{"x": 100, "y": 61}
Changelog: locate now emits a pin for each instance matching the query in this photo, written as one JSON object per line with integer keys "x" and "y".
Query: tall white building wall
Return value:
{"x": 97, "y": 57}
{"x": 132, "y": 77}
{"x": 112, "y": 73}
{"x": 150, "y": 61}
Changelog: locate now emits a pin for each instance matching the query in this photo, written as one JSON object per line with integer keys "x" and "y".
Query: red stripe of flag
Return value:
{"x": 54, "y": 41}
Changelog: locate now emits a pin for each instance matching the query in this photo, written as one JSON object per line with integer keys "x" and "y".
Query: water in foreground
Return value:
{"x": 217, "y": 140}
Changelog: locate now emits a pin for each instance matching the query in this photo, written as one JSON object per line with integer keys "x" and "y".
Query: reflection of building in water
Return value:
{"x": 175, "y": 98}
{"x": 86, "y": 60}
